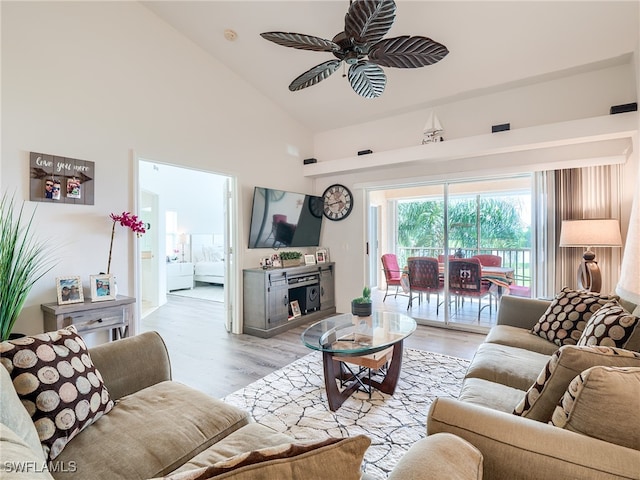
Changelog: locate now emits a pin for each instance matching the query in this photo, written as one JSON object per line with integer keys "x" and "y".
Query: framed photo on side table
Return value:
{"x": 102, "y": 287}
{"x": 69, "y": 290}
{"x": 295, "y": 309}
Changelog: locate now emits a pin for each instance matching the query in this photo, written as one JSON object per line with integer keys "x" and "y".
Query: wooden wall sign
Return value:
{"x": 61, "y": 179}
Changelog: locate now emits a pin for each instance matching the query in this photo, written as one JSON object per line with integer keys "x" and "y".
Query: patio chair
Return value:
{"x": 520, "y": 291}
{"x": 392, "y": 273}
{"x": 465, "y": 280}
{"x": 424, "y": 277}
{"x": 488, "y": 260}
{"x": 441, "y": 258}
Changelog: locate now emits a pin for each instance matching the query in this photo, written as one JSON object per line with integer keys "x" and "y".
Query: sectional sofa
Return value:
{"x": 511, "y": 393}
{"x": 147, "y": 426}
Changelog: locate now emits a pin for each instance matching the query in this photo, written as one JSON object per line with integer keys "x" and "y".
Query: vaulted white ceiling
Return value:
{"x": 492, "y": 45}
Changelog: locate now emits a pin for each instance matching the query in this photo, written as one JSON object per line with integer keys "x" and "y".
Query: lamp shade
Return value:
{"x": 602, "y": 232}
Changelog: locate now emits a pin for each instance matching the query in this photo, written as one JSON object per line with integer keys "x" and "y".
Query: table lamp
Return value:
{"x": 182, "y": 241}
{"x": 597, "y": 232}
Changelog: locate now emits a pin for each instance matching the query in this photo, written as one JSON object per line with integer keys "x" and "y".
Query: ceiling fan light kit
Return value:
{"x": 361, "y": 47}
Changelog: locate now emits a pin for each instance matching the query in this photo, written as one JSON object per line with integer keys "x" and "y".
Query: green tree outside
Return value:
{"x": 502, "y": 224}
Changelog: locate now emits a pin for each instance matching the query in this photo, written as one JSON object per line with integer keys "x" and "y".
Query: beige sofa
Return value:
{"x": 159, "y": 427}
{"x": 504, "y": 368}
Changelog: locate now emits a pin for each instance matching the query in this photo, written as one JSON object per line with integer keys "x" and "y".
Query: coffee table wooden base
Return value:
{"x": 333, "y": 372}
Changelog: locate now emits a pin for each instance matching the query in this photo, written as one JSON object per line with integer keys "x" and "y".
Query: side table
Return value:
{"x": 115, "y": 315}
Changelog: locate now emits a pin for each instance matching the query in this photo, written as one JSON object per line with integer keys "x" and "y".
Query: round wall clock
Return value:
{"x": 338, "y": 202}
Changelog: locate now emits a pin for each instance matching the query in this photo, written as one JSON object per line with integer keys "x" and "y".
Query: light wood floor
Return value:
{"x": 206, "y": 357}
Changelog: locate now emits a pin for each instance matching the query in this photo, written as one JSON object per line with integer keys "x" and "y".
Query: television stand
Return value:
{"x": 267, "y": 294}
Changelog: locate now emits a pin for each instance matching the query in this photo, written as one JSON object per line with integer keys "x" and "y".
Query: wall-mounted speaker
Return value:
{"x": 627, "y": 107}
{"x": 503, "y": 127}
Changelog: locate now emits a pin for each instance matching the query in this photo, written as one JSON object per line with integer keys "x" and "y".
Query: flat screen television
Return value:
{"x": 284, "y": 219}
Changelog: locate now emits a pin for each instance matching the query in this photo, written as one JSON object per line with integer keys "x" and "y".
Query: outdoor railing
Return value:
{"x": 517, "y": 258}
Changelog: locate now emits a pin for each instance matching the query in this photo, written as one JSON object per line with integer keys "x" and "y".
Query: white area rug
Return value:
{"x": 293, "y": 400}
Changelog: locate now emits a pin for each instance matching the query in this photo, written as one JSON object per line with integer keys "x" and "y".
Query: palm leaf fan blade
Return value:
{"x": 315, "y": 75}
{"x": 301, "y": 41}
{"x": 367, "y": 80}
{"x": 367, "y": 21}
{"x": 407, "y": 52}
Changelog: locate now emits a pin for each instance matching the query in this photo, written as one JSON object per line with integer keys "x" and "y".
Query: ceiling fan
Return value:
{"x": 361, "y": 46}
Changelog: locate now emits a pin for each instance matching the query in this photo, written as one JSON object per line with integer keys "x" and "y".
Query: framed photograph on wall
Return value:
{"x": 295, "y": 309}
{"x": 69, "y": 290}
{"x": 321, "y": 255}
{"x": 309, "y": 259}
{"x": 102, "y": 287}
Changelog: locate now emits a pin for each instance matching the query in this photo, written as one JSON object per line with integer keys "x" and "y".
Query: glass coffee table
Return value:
{"x": 369, "y": 342}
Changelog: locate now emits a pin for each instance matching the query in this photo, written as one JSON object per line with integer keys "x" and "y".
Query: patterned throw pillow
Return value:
{"x": 602, "y": 402}
{"x": 57, "y": 383}
{"x": 567, "y": 362}
{"x": 566, "y": 317}
{"x": 610, "y": 326}
{"x": 325, "y": 459}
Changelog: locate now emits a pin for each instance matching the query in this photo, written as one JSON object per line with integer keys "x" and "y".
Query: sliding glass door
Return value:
{"x": 485, "y": 221}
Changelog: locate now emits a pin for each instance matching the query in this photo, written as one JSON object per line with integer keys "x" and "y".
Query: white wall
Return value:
{"x": 196, "y": 196}
{"x": 101, "y": 80}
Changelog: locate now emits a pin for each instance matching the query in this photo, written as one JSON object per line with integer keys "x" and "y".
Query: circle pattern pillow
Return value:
{"x": 57, "y": 383}
{"x": 610, "y": 326}
{"x": 566, "y": 318}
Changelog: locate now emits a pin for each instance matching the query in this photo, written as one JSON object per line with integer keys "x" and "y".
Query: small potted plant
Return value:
{"x": 290, "y": 259}
{"x": 361, "y": 306}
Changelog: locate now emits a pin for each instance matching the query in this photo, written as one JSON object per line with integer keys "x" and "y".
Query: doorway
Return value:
{"x": 187, "y": 251}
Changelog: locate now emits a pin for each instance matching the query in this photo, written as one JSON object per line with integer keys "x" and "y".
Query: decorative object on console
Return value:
{"x": 23, "y": 261}
{"x": 125, "y": 219}
{"x": 290, "y": 259}
{"x": 102, "y": 287}
{"x": 338, "y": 202}
{"x": 365, "y": 24}
{"x": 590, "y": 233}
{"x": 361, "y": 306}
{"x": 432, "y": 130}
{"x": 322, "y": 255}
{"x": 69, "y": 290}
{"x": 309, "y": 259}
